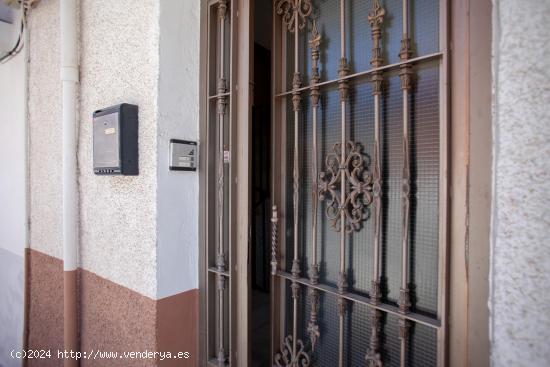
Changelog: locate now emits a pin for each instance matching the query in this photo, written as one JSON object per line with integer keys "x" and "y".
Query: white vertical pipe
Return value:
{"x": 69, "y": 78}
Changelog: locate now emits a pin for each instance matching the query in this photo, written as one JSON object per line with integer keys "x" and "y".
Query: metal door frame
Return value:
{"x": 452, "y": 217}
{"x": 234, "y": 272}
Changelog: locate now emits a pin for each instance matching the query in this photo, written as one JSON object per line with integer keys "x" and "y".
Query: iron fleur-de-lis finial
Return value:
{"x": 376, "y": 14}
{"x": 290, "y": 9}
{"x": 315, "y": 40}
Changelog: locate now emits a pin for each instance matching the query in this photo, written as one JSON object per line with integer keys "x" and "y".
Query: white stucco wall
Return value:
{"x": 118, "y": 63}
{"x": 178, "y": 118}
{"x": 138, "y": 231}
{"x": 13, "y": 213}
{"x": 520, "y": 278}
{"x": 45, "y": 130}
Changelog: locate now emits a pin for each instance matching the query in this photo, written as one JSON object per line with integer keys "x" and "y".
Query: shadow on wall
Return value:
{"x": 11, "y": 301}
{"x": 12, "y": 188}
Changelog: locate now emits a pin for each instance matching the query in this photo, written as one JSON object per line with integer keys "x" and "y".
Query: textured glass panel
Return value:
{"x": 424, "y": 26}
{"x": 391, "y": 344}
{"x": 421, "y": 344}
{"x": 357, "y": 334}
{"x": 391, "y": 131}
{"x": 424, "y": 152}
{"x": 360, "y": 127}
{"x": 422, "y": 347}
{"x": 424, "y": 130}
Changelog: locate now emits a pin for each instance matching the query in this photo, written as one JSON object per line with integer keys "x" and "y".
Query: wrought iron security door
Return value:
{"x": 219, "y": 255}
{"x": 359, "y": 237}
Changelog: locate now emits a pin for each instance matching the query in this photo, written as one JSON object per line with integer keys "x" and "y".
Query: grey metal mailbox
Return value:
{"x": 115, "y": 140}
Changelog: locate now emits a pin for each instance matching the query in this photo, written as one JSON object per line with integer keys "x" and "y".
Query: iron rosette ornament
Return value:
{"x": 359, "y": 191}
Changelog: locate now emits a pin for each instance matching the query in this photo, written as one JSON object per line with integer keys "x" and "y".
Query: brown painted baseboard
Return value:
{"x": 178, "y": 327}
{"x": 45, "y": 307}
{"x": 112, "y": 318}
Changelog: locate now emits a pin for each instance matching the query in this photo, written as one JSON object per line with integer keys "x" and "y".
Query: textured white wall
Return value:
{"x": 119, "y": 63}
{"x": 45, "y": 130}
{"x": 520, "y": 294}
{"x": 178, "y": 117}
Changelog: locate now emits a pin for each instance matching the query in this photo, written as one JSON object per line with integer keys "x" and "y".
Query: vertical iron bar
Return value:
{"x": 343, "y": 87}
{"x": 222, "y": 102}
{"x": 315, "y": 78}
{"x": 376, "y": 17}
{"x": 296, "y": 83}
{"x": 220, "y": 260}
{"x": 294, "y": 14}
{"x": 405, "y": 75}
{"x": 313, "y": 327}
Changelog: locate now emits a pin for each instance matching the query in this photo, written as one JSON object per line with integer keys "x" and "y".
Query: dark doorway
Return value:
{"x": 259, "y": 332}
{"x": 260, "y": 169}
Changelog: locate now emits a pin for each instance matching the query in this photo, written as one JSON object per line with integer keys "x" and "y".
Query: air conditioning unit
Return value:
{"x": 11, "y": 25}
{"x": 6, "y": 13}
{"x": 8, "y": 28}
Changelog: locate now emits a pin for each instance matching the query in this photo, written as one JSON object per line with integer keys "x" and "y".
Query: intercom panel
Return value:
{"x": 184, "y": 155}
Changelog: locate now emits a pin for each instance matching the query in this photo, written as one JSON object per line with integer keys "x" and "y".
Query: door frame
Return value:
{"x": 469, "y": 179}
{"x": 241, "y": 71}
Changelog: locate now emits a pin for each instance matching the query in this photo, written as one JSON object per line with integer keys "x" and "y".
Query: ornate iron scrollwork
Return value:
{"x": 359, "y": 194}
{"x": 288, "y": 357}
{"x": 290, "y": 9}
